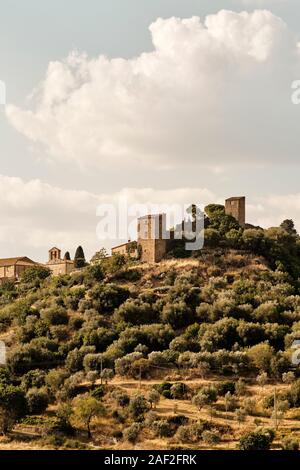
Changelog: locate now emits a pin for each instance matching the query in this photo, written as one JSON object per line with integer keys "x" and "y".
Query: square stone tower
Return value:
{"x": 54, "y": 254}
{"x": 236, "y": 206}
{"x": 152, "y": 237}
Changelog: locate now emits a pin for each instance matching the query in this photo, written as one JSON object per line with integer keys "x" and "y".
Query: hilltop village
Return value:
{"x": 151, "y": 246}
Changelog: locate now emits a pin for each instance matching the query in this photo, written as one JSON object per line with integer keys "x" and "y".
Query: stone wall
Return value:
{"x": 61, "y": 267}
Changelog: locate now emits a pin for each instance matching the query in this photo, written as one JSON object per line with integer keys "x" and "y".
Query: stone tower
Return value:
{"x": 236, "y": 206}
{"x": 54, "y": 254}
{"x": 152, "y": 237}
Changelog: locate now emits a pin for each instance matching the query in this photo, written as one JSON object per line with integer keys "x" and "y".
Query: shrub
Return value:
{"x": 206, "y": 396}
{"x": 37, "y": 400}
{"x": 107, "y": 297}
{"x": 73, "y": 386}
{"x": 33, "y": 378}
{"x": 131, "y": 434}
{"x": 294, "y": 393}
{"x": 210, "y": 437}
{"x": 55, "y": 316}
{"x": 93, "y": 362}
{"x": 94, "y": 273}
{"x": 289, "y": 443}
{"x": 177, "y": 314}
{"x": 59, "y": 332}
{"x": 55, "y": 379}
{"x": 184, "y": 434}
{"x": 211, "y": 237}
{"x": 138, "y": 406}
{"x": 260, "y": 439}
{"x": 124, "y": 364}
{"x": 162, "y": 428}
{"x": 121, "y": 398}
{"x": 75, "y": 358}
{"x": 13, "y": 406}
{"x": 288, "y": 377}
{"x": 98, "y": 392}
{"x": 164, "y": 389}
{"x": 35, "y": 275}
{"x": 225, "y": 387}
{"x": 178, "y": 391}
{"x": 136, "y": 312}
{"x": 249, "y": 405}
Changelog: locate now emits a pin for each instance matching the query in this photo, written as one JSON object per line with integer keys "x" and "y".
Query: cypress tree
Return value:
{"x": 67, "y": 256}
{"x": 79, "y": 260}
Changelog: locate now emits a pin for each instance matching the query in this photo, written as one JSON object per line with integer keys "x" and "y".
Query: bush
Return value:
{"x": 94, "y": 273}
{"x": 13, "y": 405}
{"x": 184, "y": 434}
{"x": 225, "y": 387}
{"x": 178, "y": 391}
{"x": 138, "y": 406}
{"x": 98, "y": 392}
{"x": 261, "y": 439}
{"x": 162, "y": 428}
{"x": 33, "y": 378}
{"x": 294, "y": 394}
{"x": 288, "y": 377}
{"x": 37, "y": 400}
{"x": 210, "y": 437}
{"x": 135, "y": 312}
{"x": 177, "y": 314}
{"x": 289, "y": 443}
{"x": 75, "y": 358}
{"x": 124, "y": 365}
{"x": 93, "y": 362}
{"x": 190, "y": 433}
{"x": 55, "y": 316}
{"x": 55, "y": 379}
{"x": 164, "y": 389}
{"x": 107, "y": 297}
{"x": 121, "y": 398}
{"x": 35, "y": 275}
{"x": 131, "y": 434}
{"x": 211, "y": 237}
{"x": 206, "y": 396}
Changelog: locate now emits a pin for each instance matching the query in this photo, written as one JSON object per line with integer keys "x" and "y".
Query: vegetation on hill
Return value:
{"x": 211, "y": 335}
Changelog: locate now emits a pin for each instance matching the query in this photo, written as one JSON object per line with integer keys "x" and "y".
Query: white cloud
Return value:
{"x": 212, "y": 92}
{"x": 273, "y": 209}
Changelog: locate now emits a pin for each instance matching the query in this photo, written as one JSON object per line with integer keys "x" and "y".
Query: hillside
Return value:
{"x": 183, "y": 354}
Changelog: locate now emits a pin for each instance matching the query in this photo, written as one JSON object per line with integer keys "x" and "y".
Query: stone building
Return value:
{"x": 236, "y": 206}
{"x": 154, "y": 241}
{"x": 13, "y": 268}
{"x": 57, "y": 265}
{"x": 126, "y": 249}
{"x": 152, "y": 237}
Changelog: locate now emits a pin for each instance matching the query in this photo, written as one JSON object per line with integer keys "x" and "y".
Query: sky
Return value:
{"x": 168, "y": 101}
